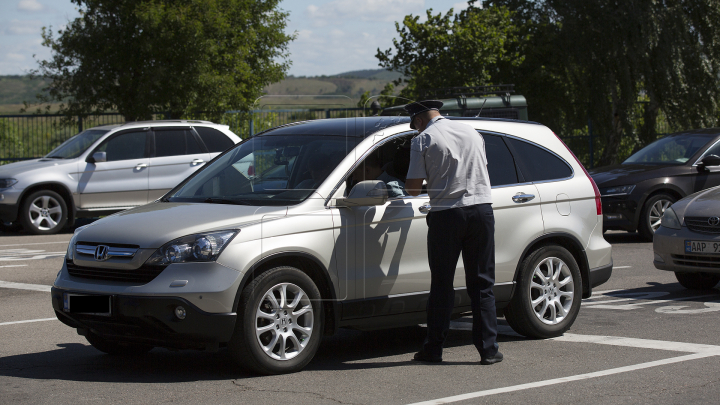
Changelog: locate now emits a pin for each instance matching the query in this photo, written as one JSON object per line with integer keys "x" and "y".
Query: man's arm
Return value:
{"x": 414, "y": 186}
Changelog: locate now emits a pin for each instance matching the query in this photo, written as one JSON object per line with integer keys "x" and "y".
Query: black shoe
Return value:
{"x": 422, "y": 356}
{"x": 497, "y": 358}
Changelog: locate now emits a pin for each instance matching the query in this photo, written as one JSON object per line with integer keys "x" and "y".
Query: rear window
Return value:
{"x": 538, "y": 164}
{"x": 215, "y": 140}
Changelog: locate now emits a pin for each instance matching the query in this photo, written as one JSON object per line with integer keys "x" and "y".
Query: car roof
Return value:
{"x": 157, "y": 123}
{"x": 360, "y": 127}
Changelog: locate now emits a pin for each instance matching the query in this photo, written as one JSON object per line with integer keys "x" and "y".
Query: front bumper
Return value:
{"x": 669, "y": 249}
{"x": 151, "y": 320}
{"x": 619, "y": 213}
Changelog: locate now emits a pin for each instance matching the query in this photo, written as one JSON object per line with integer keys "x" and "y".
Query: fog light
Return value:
{"x": 659, "y": 258}
{"x": 180, "y": 312}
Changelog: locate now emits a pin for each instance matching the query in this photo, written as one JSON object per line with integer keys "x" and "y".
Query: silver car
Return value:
{"x": 104, "y": 170}
{"x": 688, "y": 240}
{"x": 322, "y": 235}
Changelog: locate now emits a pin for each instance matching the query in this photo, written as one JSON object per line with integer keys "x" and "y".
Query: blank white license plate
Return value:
{"x": 701, "y": 246}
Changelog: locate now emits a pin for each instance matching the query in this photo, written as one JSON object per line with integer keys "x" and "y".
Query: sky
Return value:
{"x": 333, "y": 36}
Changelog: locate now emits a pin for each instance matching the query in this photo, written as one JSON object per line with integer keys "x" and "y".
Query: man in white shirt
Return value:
{"x": 451, "y": 157}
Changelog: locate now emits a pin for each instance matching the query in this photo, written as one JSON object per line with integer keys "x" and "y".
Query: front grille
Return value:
{"x": 700, "y": 261}
{"x": 700, "y": 224}
{"x": 144, "y": 274}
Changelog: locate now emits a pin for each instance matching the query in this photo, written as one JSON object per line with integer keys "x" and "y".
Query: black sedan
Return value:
{"x": 636, "y": 193}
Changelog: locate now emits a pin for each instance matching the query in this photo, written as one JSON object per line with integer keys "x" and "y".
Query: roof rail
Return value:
{"x": 464, "y": 92}
{"x": 168, "y": 121}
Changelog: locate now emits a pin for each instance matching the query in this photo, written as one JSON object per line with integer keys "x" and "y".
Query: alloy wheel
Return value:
{"x": 656, "y": 212}
{"x": 284, "y": 321}
{"x": 551, "y": 291}
{"x": 45, "y": 212}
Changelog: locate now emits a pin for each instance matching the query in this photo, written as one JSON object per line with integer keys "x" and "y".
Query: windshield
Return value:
{"x": 671, "y": 150}
{"x": 267, "y": 170}
{"x": 76, "y": 145}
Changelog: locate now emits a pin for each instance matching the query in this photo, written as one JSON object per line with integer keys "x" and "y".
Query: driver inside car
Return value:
{"x": 372, "y": 169}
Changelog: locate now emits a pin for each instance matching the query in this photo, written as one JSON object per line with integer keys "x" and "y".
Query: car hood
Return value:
{"x": 705, "y": 203}
{"x": 155, "y": 224}
{"x": 13, "y": 170}
{"x": 620, "y": 175}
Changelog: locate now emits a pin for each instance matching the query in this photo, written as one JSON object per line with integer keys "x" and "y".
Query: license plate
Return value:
{"x": 87, "y": 304}
{"x": 701, "y": 246}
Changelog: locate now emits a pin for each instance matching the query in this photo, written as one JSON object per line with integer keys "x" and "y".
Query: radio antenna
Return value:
{"x": 481, "y": 108}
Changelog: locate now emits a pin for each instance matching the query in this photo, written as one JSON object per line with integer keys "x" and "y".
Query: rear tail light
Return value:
{"x": 598, "y": 202}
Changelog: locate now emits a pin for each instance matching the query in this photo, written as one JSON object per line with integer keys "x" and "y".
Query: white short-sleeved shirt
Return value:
{"x": 451, "y": 157}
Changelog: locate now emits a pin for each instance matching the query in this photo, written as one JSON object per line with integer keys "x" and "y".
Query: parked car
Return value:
{"x": 688, "y": 240}
{"x": 106, "y": 169}
{"x": 269, "y": 264}
{"x": 637, "y": 192}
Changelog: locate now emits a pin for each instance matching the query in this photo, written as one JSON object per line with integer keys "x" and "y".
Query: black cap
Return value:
{"x": 419, "y": 107}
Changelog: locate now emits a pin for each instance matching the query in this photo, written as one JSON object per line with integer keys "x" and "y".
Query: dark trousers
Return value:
{"x": 470, "y": 230}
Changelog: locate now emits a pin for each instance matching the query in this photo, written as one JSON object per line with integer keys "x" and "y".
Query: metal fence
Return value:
{"x": 32, "y": 136}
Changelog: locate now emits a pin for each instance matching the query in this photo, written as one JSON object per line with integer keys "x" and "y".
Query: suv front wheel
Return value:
{"x": 549, "y": 293}
{"x": 279, "y": 324}
{"x": 43, "y": 212}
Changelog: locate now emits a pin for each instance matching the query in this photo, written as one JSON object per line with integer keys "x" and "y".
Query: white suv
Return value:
{"x": 268, "y": 263}
{"x": 104, "y": 170}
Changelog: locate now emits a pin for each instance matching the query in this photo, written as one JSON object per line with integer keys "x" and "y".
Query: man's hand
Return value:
{"x": 414, "y": 186}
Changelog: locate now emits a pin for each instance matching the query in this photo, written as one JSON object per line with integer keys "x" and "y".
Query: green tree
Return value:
{"x": 141, "y": 57}
{"x": 448, "y": 50}
{"x": 594, "y": 59}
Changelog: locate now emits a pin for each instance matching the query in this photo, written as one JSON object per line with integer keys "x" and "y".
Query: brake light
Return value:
{"x": 598, "y": 202}
{"x": 251, "y": 170}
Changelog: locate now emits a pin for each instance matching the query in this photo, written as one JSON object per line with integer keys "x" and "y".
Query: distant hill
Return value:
{"x": 14, "y": 90}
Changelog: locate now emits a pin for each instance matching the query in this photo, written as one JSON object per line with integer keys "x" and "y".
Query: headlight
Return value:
{"x": 70, "y": 255}
{"x": 203, "y": 247}
{"x": 619, "y": 190}
{"x": 670, "y": 219}
{"x": 5, "y": 183}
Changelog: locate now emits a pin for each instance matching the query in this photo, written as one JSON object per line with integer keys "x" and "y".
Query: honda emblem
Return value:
{"x": 101, "y": 253}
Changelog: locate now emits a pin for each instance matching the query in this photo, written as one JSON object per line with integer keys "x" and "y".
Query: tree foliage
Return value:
{"x": 141, "y": 57}
{"x": 448, "y": 50}
{"x": 603, "y": 57}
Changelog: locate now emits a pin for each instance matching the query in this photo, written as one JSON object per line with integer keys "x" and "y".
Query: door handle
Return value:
{"x": 196, "y": 162}
{"x": 141, "y": 166}
{"x": 425, "y": 208}
{"x": 520, "y": 198}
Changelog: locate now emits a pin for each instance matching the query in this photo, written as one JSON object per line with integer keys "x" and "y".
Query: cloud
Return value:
{"x": 340, "y": 11}
{"x": 24, "y": 27}
{"x": 30, "y": 5}
{"x": 15, "y": 57}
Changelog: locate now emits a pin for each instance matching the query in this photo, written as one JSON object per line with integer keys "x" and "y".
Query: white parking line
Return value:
{"x": 39, "y": 243}
{"x": 14, "y": 265}
{"x": 23, "y": 286}
{"x": 545, "y": 383}
{"x": 28, "y": 321}
{"x": 621, "y": 267}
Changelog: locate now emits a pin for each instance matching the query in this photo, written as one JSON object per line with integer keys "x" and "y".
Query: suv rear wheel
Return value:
{"x": 549, "y": 294}
{"x": 43, "y": 212}
{"x": 280, "y": 322}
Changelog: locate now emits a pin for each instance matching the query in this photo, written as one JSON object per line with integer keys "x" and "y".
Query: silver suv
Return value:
{"x": 318, "y": 237}
{"x": 104, "y": 170}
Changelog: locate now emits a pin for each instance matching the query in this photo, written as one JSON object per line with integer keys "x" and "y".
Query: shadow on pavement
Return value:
{"x": 65, "y": 231}
{"x": 78, "y": 362}
{"x": 672, "y": 292}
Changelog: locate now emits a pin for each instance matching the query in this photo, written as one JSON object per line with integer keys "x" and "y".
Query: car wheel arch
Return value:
{"x": 569, "y": 242}
{"x": 59, "y": 188}
{"x": 309, "y": 265}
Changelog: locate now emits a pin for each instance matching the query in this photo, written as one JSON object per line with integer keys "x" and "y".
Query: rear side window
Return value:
{"x": 215, "y": 140}
{"x": 501, "y": 166}
{"x": 175, "y": 142}
{"x": 538, "y": 164}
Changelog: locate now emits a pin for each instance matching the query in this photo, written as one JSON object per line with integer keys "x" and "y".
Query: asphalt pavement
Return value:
{"x": 641, "y": 339}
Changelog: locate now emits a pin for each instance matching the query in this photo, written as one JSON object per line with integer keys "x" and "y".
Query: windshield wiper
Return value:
{"x": 217, "y": 200}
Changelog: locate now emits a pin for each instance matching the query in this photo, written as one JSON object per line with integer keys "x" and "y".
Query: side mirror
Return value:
{"x": 708, "y": 161}
{"x": 365, "y": 193}
{"x": 97, "y": 157}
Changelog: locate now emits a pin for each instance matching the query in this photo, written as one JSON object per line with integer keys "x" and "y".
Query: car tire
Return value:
{"x": 548, "y": 294}
{"x": 43, "y": 212}
{"x": 697, "y": 281}
{"x": 272, "y": 336}
{"x": 116, "y": 348}
{"x": 652, "y": 211}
